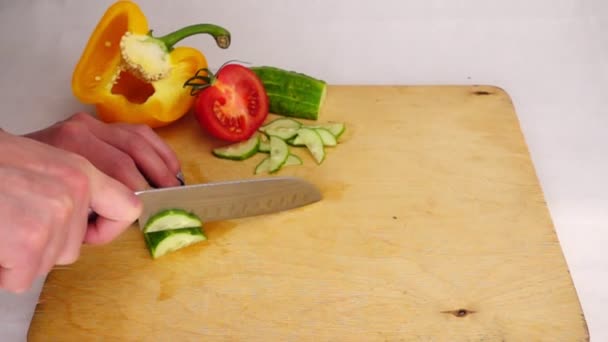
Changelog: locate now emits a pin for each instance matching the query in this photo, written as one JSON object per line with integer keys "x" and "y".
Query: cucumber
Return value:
{"x": 291, "y": 141}
{"x": 282, "y": 132}
{"x": 163, "y": 242}
{"x": 292, "y": 159}
{"x": 310, "y": 138}
{"x": 283, "y": 128}
{"x": 281, "y": 123}
{"x": 292, "y": 93}
{"x": 171, "y": 219}
{"x": 279, "y": 151}
{"x": 326, "y": 136}
{"x": 264, "y": 165}
{"x": 264, "y": 147}
{"x": 335, "y": 128}
{"x": 241, "y": 150}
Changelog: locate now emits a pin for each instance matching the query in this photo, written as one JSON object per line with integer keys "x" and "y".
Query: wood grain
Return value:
{"x": 433, "y": 227}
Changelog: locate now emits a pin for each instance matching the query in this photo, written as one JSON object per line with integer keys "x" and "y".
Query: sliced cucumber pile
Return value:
{"x": 170, "y": 230}
{"x": 276, "y": 139}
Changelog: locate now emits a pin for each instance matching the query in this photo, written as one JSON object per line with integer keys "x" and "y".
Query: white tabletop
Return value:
{"x": 551, "y": 56}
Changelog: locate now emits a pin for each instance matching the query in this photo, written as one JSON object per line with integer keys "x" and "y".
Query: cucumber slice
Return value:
{"x": 264, "y": 165}
{"x": 326, "y": 136}
{"x": 171, "y": 219}
{"x": 291, "y": 141}
{"x": 163, "y": 242}
{"x": 281, "y": 123}
{"x": 239, "y": 151}
{"x": 292, "y": 159}
{"x": 335, "y": 128}
{"x": 291, "y": 93}
{"x": 284, "y": 128}
{"x": 312, "y": 140}
{"x": 264, "y": 147}
{"x": 279, "y": 151}
{"x": 282, "y": 132}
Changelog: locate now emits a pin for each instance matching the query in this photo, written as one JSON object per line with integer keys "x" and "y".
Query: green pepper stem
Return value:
{"x": 220, "y": 34}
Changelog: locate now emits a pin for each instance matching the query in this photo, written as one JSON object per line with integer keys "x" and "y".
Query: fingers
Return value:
{"x": 19, "y": 278}
{"x": 70, "y": 250}
{"x": 104, "y": 230}
{"x": 151, "y": 155}
{"x": 163, "y": 150}
{"x": 117, "y": 208}
{"x": 115, "y": 163}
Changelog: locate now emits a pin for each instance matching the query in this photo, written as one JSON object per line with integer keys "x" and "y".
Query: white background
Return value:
{"x": 550, "y": 55}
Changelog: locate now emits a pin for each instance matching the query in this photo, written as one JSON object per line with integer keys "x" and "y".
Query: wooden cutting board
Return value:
{"x": 433, "y": 227}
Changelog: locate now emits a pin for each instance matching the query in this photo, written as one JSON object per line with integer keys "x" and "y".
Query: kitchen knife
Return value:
{"x": 224, "y": 200}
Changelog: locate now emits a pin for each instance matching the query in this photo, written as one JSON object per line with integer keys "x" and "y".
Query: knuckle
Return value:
{"x": 134, "y": 145}
{"x": 77, "y": 180}
{"x": 77, "y": 165}
{"x": 142, "y": 129}
{"x": 68, "y": 256}
{"x": 71, "y": 129}
{"x": 34, "y": 238}
{"x": 80, "y": 117}
{"x": 61, "y": 207}
{"x": 125, "y": 164}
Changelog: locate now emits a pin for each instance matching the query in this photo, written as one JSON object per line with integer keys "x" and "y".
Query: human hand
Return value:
{"x": 45, "y": 196}
{"x": 132, "y": 154}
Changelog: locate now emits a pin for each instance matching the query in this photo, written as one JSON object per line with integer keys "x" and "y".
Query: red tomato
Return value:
{"x": 234, "y": 106}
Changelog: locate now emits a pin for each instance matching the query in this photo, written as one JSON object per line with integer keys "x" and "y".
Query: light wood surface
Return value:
{"x": 433, "y": 227}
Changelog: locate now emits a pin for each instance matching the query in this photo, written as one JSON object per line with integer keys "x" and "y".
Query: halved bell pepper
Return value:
{"x": 131, "y": 76}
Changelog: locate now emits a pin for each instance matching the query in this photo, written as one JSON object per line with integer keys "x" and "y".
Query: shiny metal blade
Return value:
{"x": 225, "y": 200}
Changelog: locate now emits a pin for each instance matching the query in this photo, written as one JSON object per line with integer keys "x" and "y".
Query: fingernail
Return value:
{"x": 180, "y": 178}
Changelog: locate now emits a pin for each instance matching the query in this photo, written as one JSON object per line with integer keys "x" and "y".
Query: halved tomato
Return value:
{"x": 233, "y": 105}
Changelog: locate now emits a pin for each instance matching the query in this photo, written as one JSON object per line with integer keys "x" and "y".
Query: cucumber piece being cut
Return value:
{"x": 163, "y": 242}
{"x": 279, "y": 151}
{"x": 292, "y": 93}
{"x": 241, "y": 150}
{"x": 312, "y": 140}
{"x": 171, "y": 219}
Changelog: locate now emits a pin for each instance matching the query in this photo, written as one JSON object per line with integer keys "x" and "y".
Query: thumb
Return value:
{"x": 115, "y": 206}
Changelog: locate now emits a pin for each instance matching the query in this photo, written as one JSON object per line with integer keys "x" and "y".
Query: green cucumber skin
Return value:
{"x": 237, "y": 157}
{"x": 221, "y": 151}
{"x": 279, "y": 151}
{"x": 264, "y": 165}
{"x": 166, "y": 212}
{"x": 264, "y": 147}
{"x": 153, "y": 239}
{"x": 291, "y": 93}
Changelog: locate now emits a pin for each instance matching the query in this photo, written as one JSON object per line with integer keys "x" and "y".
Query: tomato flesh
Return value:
{"x": 234, "y": 106}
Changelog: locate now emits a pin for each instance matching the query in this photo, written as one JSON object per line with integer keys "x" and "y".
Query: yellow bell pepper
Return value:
{"x": 131, "y": 76}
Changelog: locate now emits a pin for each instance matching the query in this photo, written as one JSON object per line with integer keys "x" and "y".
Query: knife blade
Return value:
{"x": 224, "y": 200}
